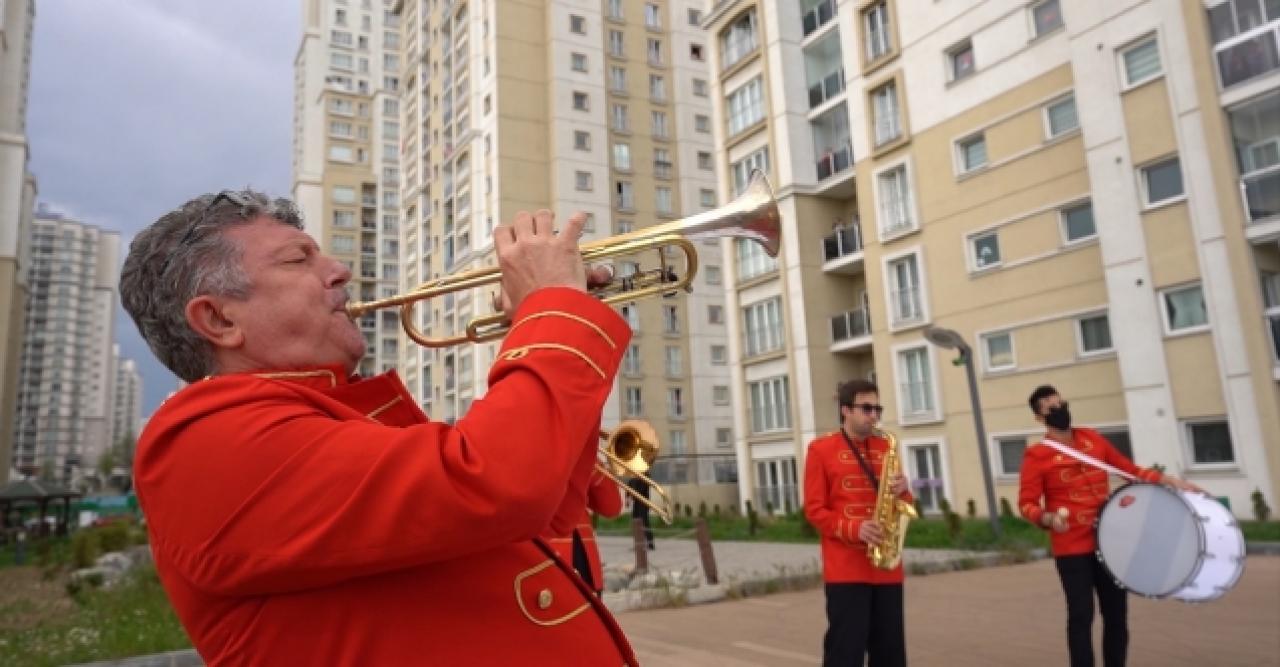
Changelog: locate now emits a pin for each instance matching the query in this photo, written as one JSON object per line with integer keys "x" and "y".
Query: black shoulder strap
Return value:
{"x": 866, "y": 467}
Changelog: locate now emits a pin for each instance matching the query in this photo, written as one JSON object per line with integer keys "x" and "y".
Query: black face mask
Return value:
{"x": 1059, "y": 417}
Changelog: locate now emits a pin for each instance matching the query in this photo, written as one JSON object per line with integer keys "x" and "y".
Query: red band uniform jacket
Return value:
{"x": 838, "y": 497}
{"x": 1051, "y": 479}
{"x": 604, "y": 499}
{"x": 299, "y": 519}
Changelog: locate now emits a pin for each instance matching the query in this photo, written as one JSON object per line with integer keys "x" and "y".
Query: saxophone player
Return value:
{"x": 841, "y": 480}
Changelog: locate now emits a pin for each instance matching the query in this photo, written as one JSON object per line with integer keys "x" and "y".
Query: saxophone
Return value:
{"x": 892, "y": 512}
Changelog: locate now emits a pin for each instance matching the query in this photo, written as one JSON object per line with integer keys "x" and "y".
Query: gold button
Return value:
{"x": 544, "y": 599}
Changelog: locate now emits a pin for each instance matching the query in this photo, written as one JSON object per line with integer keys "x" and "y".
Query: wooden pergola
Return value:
{"x": 35, "y": 492}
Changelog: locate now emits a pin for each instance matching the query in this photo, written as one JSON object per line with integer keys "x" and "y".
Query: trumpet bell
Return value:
{"x": 634, "y": 445}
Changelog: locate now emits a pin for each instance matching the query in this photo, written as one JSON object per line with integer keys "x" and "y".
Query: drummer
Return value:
{"x": 1063, "y": 494}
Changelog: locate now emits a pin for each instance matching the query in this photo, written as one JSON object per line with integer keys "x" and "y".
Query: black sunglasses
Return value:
{"x": 869, "y": 408}
{"x": 226, "y": 195}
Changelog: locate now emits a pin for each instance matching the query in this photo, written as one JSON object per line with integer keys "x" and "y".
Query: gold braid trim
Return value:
{"x": 295, "y": 375}
{"x": 374, "y": 415}
{"x": 521, "y": 352}
{"x": 571, "y": 316}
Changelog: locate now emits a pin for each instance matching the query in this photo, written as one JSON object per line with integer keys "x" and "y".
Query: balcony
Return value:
{"x": 1248, "y": 55}
{"x": 851, "y": 331}
{"x": 831, "y": 85}
{"x": 1273, "y": 327}
{"x": 842, "y": 250}
{"x": 834, "y": 161}
{"x": 818, "y": 15}
{"x": 1261, "y": 190}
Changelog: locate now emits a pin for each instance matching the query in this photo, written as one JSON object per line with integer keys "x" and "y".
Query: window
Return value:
{"x": 1077, "y": 223}
{"x": 884, "y": 110}
{"x": 662, "y": 200}
{"x": 634, "y": 403}
{"x": 999, "y": 350}
{"x": 619, "y": 116}
{"x": 742, "y": 169}
{"x": 875, "y": 21}
{"x": 657, "y": 87}
{"x": 654, "y": 49}
{"x": 700, "y": 87}
{"x": 582, "y": 180}
{"x": 702, "y": 123}
{"x": 738, "y": 40}
{"x": 659, "y": 121}
{"x": 580, "y": 101}
{"x": 762, "y": 327}
{"x": 1119, "y": 437}
{"x": 916, "y": 383}
{"x": 670, "y": 320}
{"x": 582, "y": 140}
{"x": 344, "y": 219}
{"x": 1046, "y": 17}
{"x": 1010, "y": 450}
{"x": 1061, "y": 117}
{"x": 745, "y": 106}
{"x": 344, "y": 194}
{"x": 631, "y": 360}
{"x": 960, "y": 60}
{"x": 662, "y": 163}
{"x": 622, "y": 157}
{"x": 895, "y": 200}
{"x": 695, "y": 17}
{"x": 652, "y": 19}
{"x": 1184, "y": 309}
{"x": 986, "y": 250}
{"x": 674, "y": 361}
{"x": 338, "y": 128}
{"x": 1141, "y": 62}
{"x": 617, "y": 79}
{"x": 1210, "y": 443}
{"x": 675, "y": 409}
{"x": 715, "y": 314}
{"x": 719, "y": 355}
{"x": 1162, "y": 182}
{"x": 1256, "y": 136}
{"x": 340, "y": 37}
{"x": 752, "y": 260}
{"x": 615, "y": 43}
{"x": 625, "y": 196}
{"x": 973, "y": 153}
{"x": 1095, "y": 334}
{"x": 343, "y": 243}
{"x": 720, "y": 395}
{"x": 340, "y": 106}
{"x": 695, "y": 53}
{"x": 707, "y": 198}
{"x": 704, "y": 160}
{"x": 615, "y": 9}
{"x": 631, "y": 314}
{"x": 904, "y": 290}
{"x": 770, "y": 409}
{"x": 578, "y": 61}
{"x": 341, "y": 154}
{"x": 712, "y": 274}
{"x": 577, "y": 24}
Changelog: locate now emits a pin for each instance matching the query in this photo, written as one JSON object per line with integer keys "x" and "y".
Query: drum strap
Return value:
{"x": 1085, "y": 458}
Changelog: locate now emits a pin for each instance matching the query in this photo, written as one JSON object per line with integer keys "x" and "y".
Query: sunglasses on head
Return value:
{"x": 237, "y": 198}
{"x": 869, "y": 408}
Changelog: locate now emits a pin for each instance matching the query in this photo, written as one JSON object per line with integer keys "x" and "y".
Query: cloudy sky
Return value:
{"x": 138, "y": 105}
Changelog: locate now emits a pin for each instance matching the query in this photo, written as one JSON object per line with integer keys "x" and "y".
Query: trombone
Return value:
{"x": 753, "y": 215}
{"x": 630, "y": 451}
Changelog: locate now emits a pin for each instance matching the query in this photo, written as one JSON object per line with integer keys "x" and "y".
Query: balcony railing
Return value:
{"x": 835, "y": 161}
{"x": 1262, "y": 193}
{"x": 849, "y": 325}
{"x": 1273, "y": 324}
{"x": 818, "y": 16}
{"x": 830, "y": 86}
{"x": 844, "y": 241}
{"x": 1249, "y": 55}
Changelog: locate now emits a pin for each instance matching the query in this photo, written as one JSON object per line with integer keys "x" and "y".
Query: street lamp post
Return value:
{"x": 951, "y": 340}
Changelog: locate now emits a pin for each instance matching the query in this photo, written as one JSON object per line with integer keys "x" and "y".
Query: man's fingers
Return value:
{"x": 573, "y": 227}
{"x": 599, "y": 275}
{"x": 523, "y": 225}
{"x": 544, "y": 223}
{"x": 503, "y": 237}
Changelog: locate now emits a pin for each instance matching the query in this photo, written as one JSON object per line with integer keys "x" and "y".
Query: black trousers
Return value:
{"x": 648, "y": 529}
{"x": 864, "y": 620}
{"x": 1082, "y": 576}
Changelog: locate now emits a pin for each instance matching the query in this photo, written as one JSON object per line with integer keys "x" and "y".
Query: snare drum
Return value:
{"x": 1160, "y": 542}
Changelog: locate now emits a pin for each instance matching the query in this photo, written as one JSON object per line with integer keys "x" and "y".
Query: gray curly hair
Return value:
{"x": 183, "y": 255}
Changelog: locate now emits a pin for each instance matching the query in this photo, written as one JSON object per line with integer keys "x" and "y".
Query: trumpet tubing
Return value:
{"x": 753, "y": 215}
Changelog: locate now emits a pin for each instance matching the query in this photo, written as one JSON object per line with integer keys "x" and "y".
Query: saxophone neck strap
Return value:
{"x": 862, "y": 460}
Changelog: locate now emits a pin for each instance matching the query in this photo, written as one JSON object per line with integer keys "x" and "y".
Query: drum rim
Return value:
{"x": 1222, "y": 590}
{"x": 1097, "y": 523}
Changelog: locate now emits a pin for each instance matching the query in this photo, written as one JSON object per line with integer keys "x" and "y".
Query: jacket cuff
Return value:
{"x": 568, "y": 321}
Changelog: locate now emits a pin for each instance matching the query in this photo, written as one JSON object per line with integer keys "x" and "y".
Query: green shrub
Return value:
{"x": 1261, "y": 511}
{"x": 972, "y": 509}
{"x": 86, "y": 546}
{"x": 113, "y": 537}
{"x": 702, "y": 509}
{"x": 1006, "y": 510}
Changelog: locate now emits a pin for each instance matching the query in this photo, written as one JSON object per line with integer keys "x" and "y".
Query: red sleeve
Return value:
{"x": 603, "y": 496}
{"x": 1031, "y": 489}
{"x": 1114, "y": 457}
{"x": 816, "y": 504}
{"x": 251, "y": 488}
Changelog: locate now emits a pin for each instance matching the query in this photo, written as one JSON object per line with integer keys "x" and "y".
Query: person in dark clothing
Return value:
{"x": 640, "y": 510}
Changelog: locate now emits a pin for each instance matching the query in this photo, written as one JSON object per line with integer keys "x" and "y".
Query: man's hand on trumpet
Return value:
{"x": 533, "y": 255}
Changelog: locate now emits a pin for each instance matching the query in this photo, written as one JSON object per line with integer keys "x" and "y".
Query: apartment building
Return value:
{"x": 601, "y": 107}
{"x": 17, "y": 202}
{"x": 346, "y": 173}
{"x": 126, "y": 420}
{"x": 64, "y": 402}
{"x": 1087, "y": 193}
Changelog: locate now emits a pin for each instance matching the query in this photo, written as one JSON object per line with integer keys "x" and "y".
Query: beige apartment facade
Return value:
{"x": 600, "y": 107}
{"x": 1086, "y": 194}
{"x": 17, "y": 203}
{"x": 346, "y": 173}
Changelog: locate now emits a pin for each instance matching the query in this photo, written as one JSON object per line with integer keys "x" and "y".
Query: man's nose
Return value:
{"x": 339, "y": 273}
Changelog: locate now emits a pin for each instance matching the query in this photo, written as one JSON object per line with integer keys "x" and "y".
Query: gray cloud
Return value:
{"x": 138, "y": 105}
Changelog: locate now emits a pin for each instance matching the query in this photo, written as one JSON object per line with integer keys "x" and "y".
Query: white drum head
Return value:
{"x": 1223, "y": 560}
{"x": 1150, "y": 539}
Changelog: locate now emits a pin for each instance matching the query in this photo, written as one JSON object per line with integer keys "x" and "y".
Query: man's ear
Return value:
{"x": 206, "y": 315}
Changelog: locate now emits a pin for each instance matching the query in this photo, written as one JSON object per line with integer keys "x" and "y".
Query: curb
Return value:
{"x": 1262, "y": 548}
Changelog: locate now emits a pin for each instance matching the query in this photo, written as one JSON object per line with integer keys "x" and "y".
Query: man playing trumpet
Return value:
{"x": 299, "y": 514}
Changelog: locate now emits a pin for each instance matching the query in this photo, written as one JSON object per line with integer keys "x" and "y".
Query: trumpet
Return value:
{"x": 752, "y": 215}
{"x": 629, "y": 452}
